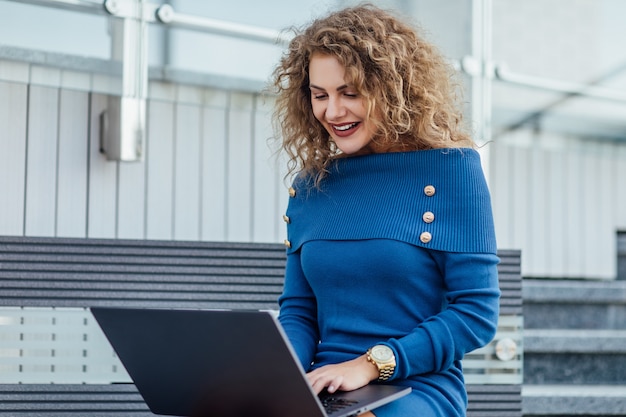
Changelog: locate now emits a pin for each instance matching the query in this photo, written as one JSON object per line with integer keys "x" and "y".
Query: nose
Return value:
{"x": 335, "y": 109}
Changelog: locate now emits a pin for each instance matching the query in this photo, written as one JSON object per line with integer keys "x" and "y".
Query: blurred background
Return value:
{"x": 545, "y": 88}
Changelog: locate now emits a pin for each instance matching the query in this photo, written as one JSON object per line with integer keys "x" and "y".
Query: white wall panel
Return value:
{"x": 12, "y": 156}
{"x": 560, "y": 200}
{"x": 599, "y": 196}
{"x": 535, "y": 206}
{"x": 131, "y": 200}
{"x": 44, "y": 76}
{"x": 207, "y": 174}
{"x": 519, "y": 203}
{"x": 160, "y": 170}
{"x": 266, "y": 213}
{"x": 75, "y": 80}
{"x": 500, "y": 191}
{"x": 41, "y": 169}
{"x": 102, "y": 204}
{"x": 187, "y": 174}
{"x": 556, "y": 234}
{"x": 106, "y": 84}
{"x": 239, "y": 168}
{"x": 282, "y": 197}
{"x": 573, "y": 210}
{"x": 619, "y": 185}
{"x": 72, "y": 163}
{"x": 13, "y": 71}
{"x": 214, "y": 155}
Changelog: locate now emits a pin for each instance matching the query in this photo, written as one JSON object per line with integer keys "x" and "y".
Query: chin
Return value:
{"x": 352, "y": 147}
{"x": 350, "y": 151}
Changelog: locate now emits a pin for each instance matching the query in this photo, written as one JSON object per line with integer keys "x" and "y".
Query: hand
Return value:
{"x": 345, "y": 376}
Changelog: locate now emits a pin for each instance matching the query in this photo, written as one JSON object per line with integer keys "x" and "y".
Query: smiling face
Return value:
{"x": 339, "y": 107}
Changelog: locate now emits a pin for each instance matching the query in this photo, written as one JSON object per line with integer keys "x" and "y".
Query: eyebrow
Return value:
{"x": 341, "y": 87}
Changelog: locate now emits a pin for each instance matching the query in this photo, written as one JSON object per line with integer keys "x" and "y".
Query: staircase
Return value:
{"x": 575, "y": 348}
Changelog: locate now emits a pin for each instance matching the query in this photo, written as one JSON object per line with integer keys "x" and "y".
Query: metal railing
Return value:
{"x": 502, "y": 73}
{"x": 165, "y": 14}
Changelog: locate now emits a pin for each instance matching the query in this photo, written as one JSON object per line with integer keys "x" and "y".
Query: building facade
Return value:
{"x": 554, "y": 152}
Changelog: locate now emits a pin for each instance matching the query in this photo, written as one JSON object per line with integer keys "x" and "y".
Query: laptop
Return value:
{"x": 223, "y": 363}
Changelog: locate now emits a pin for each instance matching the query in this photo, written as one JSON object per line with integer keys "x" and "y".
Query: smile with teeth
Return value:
{"x": 343, "y": 128}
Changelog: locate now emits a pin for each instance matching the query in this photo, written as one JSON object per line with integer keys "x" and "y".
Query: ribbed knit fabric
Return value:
{"x": 382, "y": 196}
{"x": 359, "y": 274}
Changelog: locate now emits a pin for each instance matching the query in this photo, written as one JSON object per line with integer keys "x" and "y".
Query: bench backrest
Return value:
{"x": 67, "y": 272}
{"x": 49, "y": 336}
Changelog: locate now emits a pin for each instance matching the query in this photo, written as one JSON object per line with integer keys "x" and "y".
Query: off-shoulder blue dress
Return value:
{"x": 400, "y": 249}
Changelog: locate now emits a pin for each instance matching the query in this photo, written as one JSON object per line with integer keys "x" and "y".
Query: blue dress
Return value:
{"x": 395, "y": 248}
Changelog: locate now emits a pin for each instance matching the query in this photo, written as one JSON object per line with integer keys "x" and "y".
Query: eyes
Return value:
{"x": 324, "y": 96}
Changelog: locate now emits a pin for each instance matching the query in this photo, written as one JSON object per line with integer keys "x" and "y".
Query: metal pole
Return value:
{"x": 125, "y": 116}
{"x": 585, "y": 90}
{"x": 166, "y": 15}
{"x": 478, "y": 66}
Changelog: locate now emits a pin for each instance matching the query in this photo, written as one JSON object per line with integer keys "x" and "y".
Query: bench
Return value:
{"x": 54, "y": 360}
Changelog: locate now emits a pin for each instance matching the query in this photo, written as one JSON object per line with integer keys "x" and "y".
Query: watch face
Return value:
{"x": 382, "y": 353}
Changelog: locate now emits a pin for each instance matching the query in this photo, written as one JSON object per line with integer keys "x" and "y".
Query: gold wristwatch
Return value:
{"x": 384, "y": 359}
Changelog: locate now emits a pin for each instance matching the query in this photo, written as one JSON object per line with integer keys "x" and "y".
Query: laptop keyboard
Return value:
{"x": 333, "y": 404}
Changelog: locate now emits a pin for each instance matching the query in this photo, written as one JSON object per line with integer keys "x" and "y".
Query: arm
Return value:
{"x": 298, "y": 317}
{"x": 298, "y": 311}
{"x": 468, "y": 322}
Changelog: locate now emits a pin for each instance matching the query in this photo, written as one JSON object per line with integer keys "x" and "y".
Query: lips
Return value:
{"x": 346, "y": 129}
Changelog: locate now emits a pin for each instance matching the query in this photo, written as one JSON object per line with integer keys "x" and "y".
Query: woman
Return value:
{"x": 391, "y": 255}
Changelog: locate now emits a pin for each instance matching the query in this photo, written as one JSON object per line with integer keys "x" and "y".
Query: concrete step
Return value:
{"x": 574, "y": 348}
{"x": 574, "y": 304}
{"x": 570, "y": 400}
{"x": 601, "y": 341}
{"x": 557, "y": 356}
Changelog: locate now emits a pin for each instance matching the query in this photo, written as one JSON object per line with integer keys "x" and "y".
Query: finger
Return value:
{"x": 316, "y": 383}
{"x": 329, "y": 381}
{"x": 320, "y": 374}
{"x": 335, "y": 384}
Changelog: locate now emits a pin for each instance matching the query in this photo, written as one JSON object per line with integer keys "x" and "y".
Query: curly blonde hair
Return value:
{"x": 402, "y": 77}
